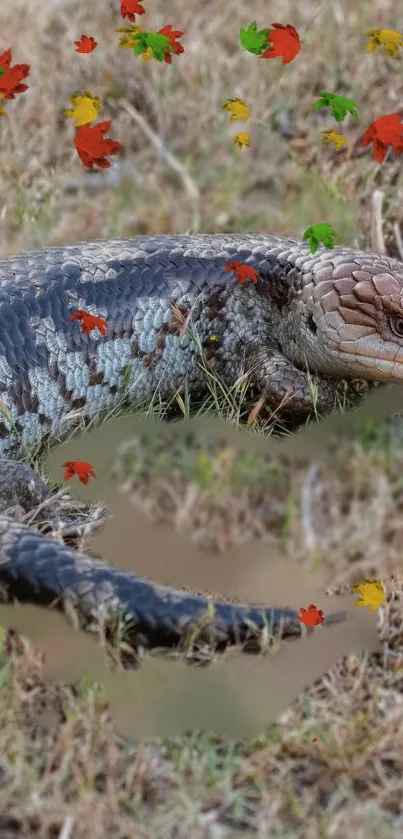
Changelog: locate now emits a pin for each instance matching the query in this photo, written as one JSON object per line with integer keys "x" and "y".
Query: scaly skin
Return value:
{"x": 328, "y": 313}
{"x": 310, "y": 323}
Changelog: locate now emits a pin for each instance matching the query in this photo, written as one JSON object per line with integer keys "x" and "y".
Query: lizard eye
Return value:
{"x": 396, "y": 325}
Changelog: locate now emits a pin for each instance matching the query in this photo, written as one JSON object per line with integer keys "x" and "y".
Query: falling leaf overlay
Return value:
{"x": 89, "y": 322}
{"x": 252, "y": 40}
{"x": 242, "y": 272}
{"x": 284, "y": 43}
{"x": 237, "y": 108}
{"x": 85, "y": 108}
{"x": 384, "y": 132}
{"x": 86, "y": 44}
{"x": 11, "y": 78}
{"x": 389, "y": 39}
{"x": 334, "y": 137}
{"x": 175, "y": 46}
{"x": 320, "y": 233}
{"x": 311, "y": 616}
{"x": 372, "y": 594}
{"x": 156, "y": 42}
{"x": 242, "y": 139}
{"x": 83, "y": 470}
{"x": 92, "y": 147}
{"x": 131, "y": 8}
{"x": 128, "y": 40}
{"x": 340, "y": 105}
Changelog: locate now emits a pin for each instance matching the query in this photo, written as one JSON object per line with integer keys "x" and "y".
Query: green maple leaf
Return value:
{"x": 320, "y": 233}
{"x": 340, "y": 105}
{"x": 157, "y": 42}
{"x": 252, "y": 40}
{"x": 2, "y": 71}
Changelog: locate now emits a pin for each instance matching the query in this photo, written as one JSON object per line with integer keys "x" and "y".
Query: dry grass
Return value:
{"x": 331, "y": 764}
{"x": 284, "y": 182}
{"x": 63, "y": 771}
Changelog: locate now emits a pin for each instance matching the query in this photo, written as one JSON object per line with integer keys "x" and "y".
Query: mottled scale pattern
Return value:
{"x": 163, "y": 298}
{"x": 49, "y": 367}
{"x": 161, "y": 616}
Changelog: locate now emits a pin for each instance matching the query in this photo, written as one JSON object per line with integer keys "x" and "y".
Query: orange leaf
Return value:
{"x": 284, "y": 41}
{"x": 311, "y": 616}
{"x": 89, "y": 322}
{"x": 131, "y": 8}
{"x": 83, "y": 470}
{"x": 242, "y": 272}
{"x": 172, "y": 34}
{"x": 86, "y": 44}
{"x": 92, "y": 147}
{"x": 383, "y": 132}
{"x": 12, "y": 76}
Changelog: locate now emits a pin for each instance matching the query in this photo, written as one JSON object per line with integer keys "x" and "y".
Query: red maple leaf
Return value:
{"x": 172, "y": 34}
{"x": 284, "y": 41}
{"x": 242, "y": 272}
{"x": 83, "y": 470}
{"x": 383, "y": 132}
{"x": 12, "y": 76}
{"x": 92, "y": 146}
{"x": 131, "y": 8}
{"x": 89, "y": 322}
{"x": 86, "y": 44}
{"x": 311, "y": 616}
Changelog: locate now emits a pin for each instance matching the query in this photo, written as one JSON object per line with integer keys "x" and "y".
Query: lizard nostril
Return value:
{"x": 312, "y": 325}
{"x": 396, "y": 325}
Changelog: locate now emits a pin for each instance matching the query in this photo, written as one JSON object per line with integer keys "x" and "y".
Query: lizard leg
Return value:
{"x": 23, "y": 492}
{"x": 291, "y": 390}
{"x": 21, "y": 487}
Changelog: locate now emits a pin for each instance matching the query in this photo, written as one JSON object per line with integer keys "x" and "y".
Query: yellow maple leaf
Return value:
{"x": 129, "y": 39}
{"x": 148, "y": 54}
{"x": 371, "y": 592}
{"x": 242, "y": 139}
{"x": 85, "y": 108}
{"x": 237, "y": 108}
{"x": 334, "y": 137}
{"x": 389, "y": 39}
{"x": 2, "y": 110}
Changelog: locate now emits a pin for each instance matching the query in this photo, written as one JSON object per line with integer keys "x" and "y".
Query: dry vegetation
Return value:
{"x": 63, "y": 771}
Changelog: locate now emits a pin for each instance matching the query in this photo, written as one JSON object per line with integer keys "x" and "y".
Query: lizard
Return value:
{"x": 311, "y": 325}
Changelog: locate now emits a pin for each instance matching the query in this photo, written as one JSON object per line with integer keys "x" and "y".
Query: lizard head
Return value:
{"x": 352, "y": 310}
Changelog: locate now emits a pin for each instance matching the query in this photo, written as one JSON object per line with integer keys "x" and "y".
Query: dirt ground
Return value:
{"x": 333, "y": 763}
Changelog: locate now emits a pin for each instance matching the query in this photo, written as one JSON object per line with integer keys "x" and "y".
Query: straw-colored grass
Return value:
{"x": 63, "y": 771}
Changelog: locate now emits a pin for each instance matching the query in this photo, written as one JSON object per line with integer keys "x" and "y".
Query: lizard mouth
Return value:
{"x": 360, "y": 316}
{"x": 375, "y": 361}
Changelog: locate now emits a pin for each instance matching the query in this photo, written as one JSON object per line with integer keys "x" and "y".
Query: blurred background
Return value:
{"x": 178, "y": 169}
{"x": 333, "y": 764}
